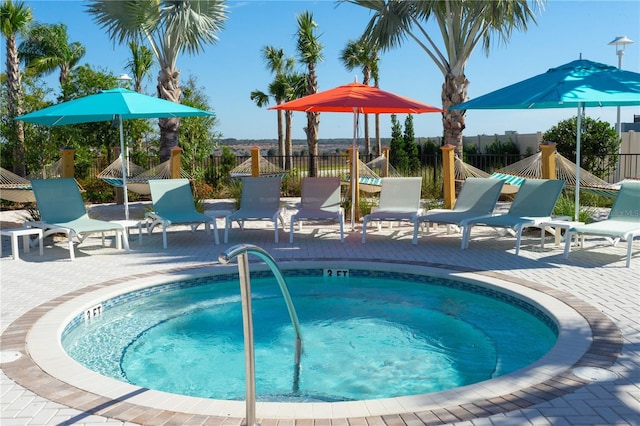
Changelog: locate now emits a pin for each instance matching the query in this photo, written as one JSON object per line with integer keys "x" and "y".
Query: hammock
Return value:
{"x": 368, "y": 180}
{"x": 463, "y": 170}
{"x": 140, "y": 183}
{"x": 15, "y": 188}
{"x": 531, "y": 167}
{"x": 266, "y": 169}
{"x": 113, "y": 173}
{"x": 379, "y": 163}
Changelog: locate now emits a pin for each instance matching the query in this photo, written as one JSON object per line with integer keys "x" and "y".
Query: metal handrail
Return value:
{"x": 242, "y": 251}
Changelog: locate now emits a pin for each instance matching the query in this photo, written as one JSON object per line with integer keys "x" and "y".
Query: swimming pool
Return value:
{"x": 367, "y": 335}
{"x": 46, "y": 352}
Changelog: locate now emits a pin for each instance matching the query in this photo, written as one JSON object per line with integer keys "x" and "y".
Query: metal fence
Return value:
{"x": 214, "y": 169}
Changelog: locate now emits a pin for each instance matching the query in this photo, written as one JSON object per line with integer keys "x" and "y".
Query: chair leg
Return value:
{"x": 629, "y": 245}
{"x": 416, "y": 229}
{"x": 341, "y": 221}
{"x": 227, "y": 222}
{"x": 364, "y": 230}
{"x": 164, "y": 235}
{"x": 275, "y": 227}
{"x": 71, "y": 253}
{"x": 567, "y": 244}
{"x": 466, "y": 235}
{"x": 291, "y": 226}
{"x": 518, "y": 238}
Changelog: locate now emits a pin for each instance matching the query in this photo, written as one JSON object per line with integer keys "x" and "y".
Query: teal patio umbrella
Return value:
{"x": 112, "y": 105}
{"x": 578, "y": 84}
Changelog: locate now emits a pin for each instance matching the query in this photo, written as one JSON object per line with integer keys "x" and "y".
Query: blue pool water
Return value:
{"x": 363, "y": 338}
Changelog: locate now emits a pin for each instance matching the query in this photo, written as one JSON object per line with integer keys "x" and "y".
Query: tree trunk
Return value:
{"x": 14, "y": 105}
{"x": 281, "y": 141}
{"x": 454, "y": 92}
{"x": 168, "y": 89}
{"x": 313, "y": 120}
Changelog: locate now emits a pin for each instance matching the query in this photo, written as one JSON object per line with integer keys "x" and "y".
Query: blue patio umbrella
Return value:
{"x": 112, "y": 105}
{"x": 577, "y": 84}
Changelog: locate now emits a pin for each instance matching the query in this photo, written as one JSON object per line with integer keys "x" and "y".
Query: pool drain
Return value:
{"x": 595, "y": 374}
{"x": 9, "y": 356}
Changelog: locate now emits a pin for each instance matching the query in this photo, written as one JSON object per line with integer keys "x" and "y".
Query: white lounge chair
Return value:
{"x": 260, "y": 200}
{"x": 320, "y": 201}
{"x": 532, "y": 205}
{"x": 623, "y": 222}
{"x": 399, "y": 201}
{"x": 62, "y": 211}
{"x": 478, "y": 197}
{"x": 173, "y": 204}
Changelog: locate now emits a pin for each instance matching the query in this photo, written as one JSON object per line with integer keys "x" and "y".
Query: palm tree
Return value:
{"x": 293, "y": 85}
{"x": 47, "y": 49}
{"x": 362, "y": 53}
{"x": 14, "y": 19}
{"x": 278, "y": 64}
{"x": 170, "y": 27}
{"x": 310, "y": 53}
{"x": 463, "y": 25}
{"x": 140, "y": 63}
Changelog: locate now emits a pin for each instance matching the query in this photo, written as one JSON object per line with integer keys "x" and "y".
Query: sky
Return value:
{"x": 232, "y": 68}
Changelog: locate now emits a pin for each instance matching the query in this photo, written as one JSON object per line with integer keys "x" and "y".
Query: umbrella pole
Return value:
{"x": 354, "y": 172}
{"x": 577, "y": 186}
{"x": 125, "y": 160}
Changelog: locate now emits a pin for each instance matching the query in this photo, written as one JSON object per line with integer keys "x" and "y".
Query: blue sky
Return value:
{"x": 231, "y": 69}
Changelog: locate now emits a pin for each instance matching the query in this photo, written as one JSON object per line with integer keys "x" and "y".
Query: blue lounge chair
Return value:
{"x": 399, "y": 201}
{"x": 478, "y": 197}
{"x": 173, "y": 204}
{"x": 260, "y": 200}
{"x": 532, "y": 205}
{"x": 623, "y": 222}
{"x": 320, "y": 201}
{"x": 62, "y": 211}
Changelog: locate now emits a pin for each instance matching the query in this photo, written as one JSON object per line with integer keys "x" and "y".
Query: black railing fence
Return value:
{"x": 213, "y": 168}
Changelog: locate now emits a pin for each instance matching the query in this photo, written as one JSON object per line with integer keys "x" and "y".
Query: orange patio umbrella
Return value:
{"x": 357, "y": 98}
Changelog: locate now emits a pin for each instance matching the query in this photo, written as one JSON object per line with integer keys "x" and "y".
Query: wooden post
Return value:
{"x": 354, "y": 183}
{"x": 176, "y": 162}
{"x": 448, "y": 172}
{"x": 255, "y": 161}
{"x": 68, "y": 168}
{"x": 548, "y": 160}
{"x": 385, "y": 170}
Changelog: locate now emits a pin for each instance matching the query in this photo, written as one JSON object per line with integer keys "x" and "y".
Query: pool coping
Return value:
{"x": 130, "y": 403}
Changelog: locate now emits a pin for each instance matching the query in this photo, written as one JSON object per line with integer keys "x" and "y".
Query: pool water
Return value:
{"x": 363, "y": 338}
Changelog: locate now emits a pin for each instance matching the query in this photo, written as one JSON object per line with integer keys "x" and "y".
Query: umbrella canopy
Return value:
{"x": 109, "y": 105}
{"x": 578, "y": 84}
{"x": 356, "y": 98}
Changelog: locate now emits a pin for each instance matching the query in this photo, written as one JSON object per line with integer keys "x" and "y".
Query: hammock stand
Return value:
{"x": 266, "y": 169}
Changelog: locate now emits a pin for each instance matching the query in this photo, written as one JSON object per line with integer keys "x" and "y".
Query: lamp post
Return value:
{"x": 619, "y": 42}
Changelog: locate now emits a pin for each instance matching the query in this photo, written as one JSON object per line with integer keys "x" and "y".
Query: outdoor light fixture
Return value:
{"x": 619, "y": 42}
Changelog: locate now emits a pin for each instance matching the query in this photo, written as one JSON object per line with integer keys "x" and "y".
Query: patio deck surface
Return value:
{"x": 593, "y": 280}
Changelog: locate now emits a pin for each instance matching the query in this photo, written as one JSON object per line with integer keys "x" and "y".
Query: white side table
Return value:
{"x": 557, "y": 224}
{"x": 126, "y": 224}
{"x": 14, "y": 233}
{"x": 217, "y": 214}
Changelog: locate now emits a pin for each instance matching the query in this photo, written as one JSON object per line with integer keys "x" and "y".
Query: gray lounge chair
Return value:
{"x": 623, "y": 222}
{"x": 532, "y": 205}
{"x": 399, "y": 201}
{"x": 320, "y": 201}
{"x": 62, "y": 211}
{"x": 478, "y": 197}
{"x": 260, "y": 200}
